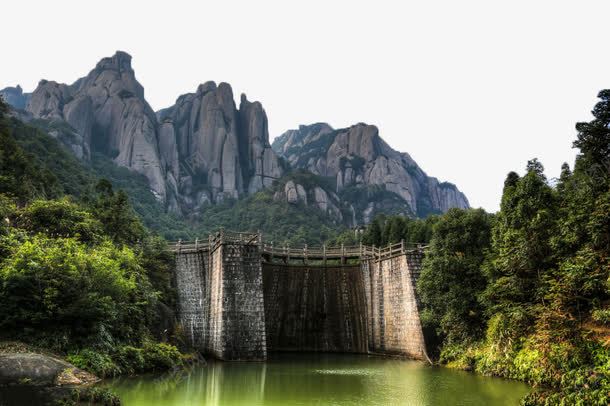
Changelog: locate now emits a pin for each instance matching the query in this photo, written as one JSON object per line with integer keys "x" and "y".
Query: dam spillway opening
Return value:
{"x": 241, "y": 298}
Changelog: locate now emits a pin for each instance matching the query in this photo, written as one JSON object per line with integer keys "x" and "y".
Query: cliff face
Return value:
{"x": 105, "y": 112}
{"x": 15, "y": 97}
{"x": 214, "y": 151}
{"x": 358, "y": 158}
{"x": 200, "y": 150}
{"x": 261, "y": 165}
{"x": 204, "y": 149}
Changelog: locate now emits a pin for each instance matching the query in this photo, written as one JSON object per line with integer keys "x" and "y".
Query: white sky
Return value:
{"x": 471, "y": 89}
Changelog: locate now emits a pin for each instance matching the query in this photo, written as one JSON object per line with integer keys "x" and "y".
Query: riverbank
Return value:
{"x": 563, "y": 372}
{"x": 32, "y": 375}
{"x": 41, "y": 376}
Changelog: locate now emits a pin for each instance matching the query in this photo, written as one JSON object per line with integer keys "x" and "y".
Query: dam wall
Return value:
{"x": 239, "y": 300}
{"x": 192, "y": 280}
{"x": 315, "y": 308}
{"x": 394, "y": 325}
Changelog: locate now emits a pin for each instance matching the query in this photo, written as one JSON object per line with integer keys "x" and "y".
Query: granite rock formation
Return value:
{"x": 213, "y": 150}
{"x": 204, "y": 149}
{"x": 201, "y": 150}
{"x": 15, "y": 97}
{"x": 293, "y": 192}
{"x": 357, "y": 157}
{"x": 106, "y": 112}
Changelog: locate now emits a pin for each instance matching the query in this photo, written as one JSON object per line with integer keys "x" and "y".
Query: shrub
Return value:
{"x": 97, "y": 363}
{"x": 60, "y": 218}
{"x": 130, "y": 359}
{"x": 90, "y": 395}
{"x": 161, "y": 356}
{"x": 601, "y": 316}
{"x": 67, "y": 292}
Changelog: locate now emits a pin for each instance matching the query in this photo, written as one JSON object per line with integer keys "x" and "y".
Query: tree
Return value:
{"x": 116, "y": 215}
{"x": 60, "y": 218}
{"x": 20, "y": 177}
{"x": 374, "y": 234}
{"x": 593, "y": 140}
{"x": 451, "y": 278}
{"x": 582, "y": 243}
{"x": 395, "y": 229}
{"x": 521, "y": 251}
{"x": 62, "y": 293}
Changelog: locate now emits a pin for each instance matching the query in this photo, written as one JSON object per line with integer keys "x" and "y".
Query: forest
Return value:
{"x": 524, "y": 293}
{"x": 80, "y": 276}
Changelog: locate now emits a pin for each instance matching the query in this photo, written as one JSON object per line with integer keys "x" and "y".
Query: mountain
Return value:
{"x": 15, "y": 97}
{"x": 359, "y": 162}
{"x": 201, "y": 150}
{"x": 205, "y": 150}
{"x": 105, "y": 112}
{"x": 214, "y": 151}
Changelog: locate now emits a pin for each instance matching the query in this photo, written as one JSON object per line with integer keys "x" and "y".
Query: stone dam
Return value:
{"x": 240, "y": 298}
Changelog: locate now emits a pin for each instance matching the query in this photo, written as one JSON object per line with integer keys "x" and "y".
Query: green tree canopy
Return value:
{"x": 60, "y": 218}
{"x": 521, "y": 252}
{"x": 451, "y": 279}
{"x": 66, "y": 293}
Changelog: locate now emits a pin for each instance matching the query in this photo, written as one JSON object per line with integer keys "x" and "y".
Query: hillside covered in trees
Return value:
{"x": 525, "y": 293}
{"x": 80, "y": 276}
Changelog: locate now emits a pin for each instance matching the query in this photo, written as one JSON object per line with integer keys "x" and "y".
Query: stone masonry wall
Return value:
{"x": 235, "y": 307}
{"x": 315, "y": 308}
{"x": 216, "y": 344}
{"x": 243, "y": 311}
{"x": 192, "y": 274}
{"x": 394, "y": 323}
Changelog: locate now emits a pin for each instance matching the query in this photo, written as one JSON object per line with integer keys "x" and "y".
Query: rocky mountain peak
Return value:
{"x": 15, "y": 97}
{"x": 357, "y": 158}
{"x": 205, "y": 149}
{"x": 206, "y": 87}
{"x": 120, "y": 62}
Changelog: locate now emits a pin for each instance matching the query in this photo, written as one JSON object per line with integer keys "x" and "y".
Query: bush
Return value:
{"x": 130, "y": 359}
{"x": 60, "y": 218}
{"x": 97, "y": 363}
{"x": 161, "y": 356}
{"x": 73, "y": 295}
{"x": 601, "y": 316}
{"x": 459, "y": 356}
{"x": 90, "y": 395}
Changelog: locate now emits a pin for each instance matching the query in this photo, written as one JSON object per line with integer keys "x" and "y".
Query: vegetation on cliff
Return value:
{"x": 279, "y": 221}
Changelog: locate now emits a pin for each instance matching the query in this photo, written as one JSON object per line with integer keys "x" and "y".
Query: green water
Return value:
{"x": 319, "y": 380}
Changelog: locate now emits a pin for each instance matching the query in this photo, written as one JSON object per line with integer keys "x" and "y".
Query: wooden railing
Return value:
{"x": 288, "y": 252}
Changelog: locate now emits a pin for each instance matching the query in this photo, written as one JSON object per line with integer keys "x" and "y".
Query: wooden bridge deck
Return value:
{"x": 270, "y": 252}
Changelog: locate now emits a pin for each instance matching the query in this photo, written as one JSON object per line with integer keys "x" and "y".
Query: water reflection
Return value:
{"x": 319, "y": 380}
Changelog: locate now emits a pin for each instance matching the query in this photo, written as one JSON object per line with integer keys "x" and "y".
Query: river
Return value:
{"x": 318, "y": 379}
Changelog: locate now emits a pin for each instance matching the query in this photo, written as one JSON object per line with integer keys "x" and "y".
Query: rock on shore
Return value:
{"x": 39, "y": 369}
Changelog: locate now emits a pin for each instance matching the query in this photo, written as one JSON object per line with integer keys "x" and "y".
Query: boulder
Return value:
{"x": 291, "y": 193}
{"x": 39, "y": 369}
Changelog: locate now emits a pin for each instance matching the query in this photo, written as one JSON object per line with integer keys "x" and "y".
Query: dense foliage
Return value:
{"x": 451, "y": 279}
{"x": 278, "y": 221}
{"x": 525, "y": 294}
{"x": 79, "y": 273}
{"x": 385, "y": 230}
